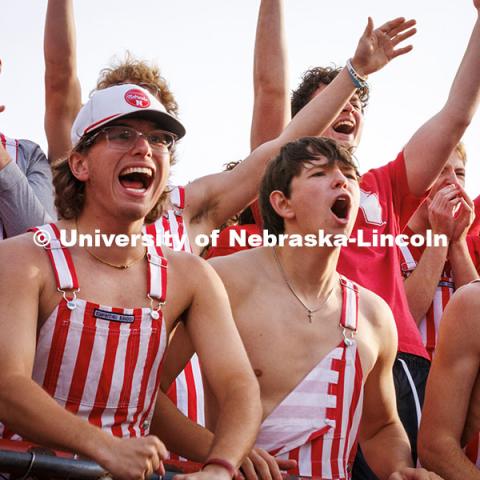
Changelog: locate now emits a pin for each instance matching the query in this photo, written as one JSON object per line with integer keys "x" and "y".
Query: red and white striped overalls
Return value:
{"x": 11, "y": 146}
{"x": 102, "y": 363}
{"x": 317, "y": 423}
{"x": 187, "y": 390}
{"x": 430, "y": 323}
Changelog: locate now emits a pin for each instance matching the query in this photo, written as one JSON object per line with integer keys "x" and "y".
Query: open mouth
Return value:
{"x": 346, "y": 127}
{"x": 341, "y": 207}
{"x": 136, "y": 179}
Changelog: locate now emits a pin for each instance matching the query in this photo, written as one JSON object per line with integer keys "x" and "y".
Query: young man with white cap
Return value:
{"x": 102, "y": 364}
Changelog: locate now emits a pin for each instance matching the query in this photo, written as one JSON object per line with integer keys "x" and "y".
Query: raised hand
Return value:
{"x": 464, "y": 216}
{"x": 441, "y": 210}
{"x": 377, "y": 47}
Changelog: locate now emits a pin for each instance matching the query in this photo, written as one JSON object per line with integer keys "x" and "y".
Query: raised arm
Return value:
{"x": 271, "y": 102}
{"x": 449, "y": 388}
{"x": 26, "y": 196}
{"x": 62, "y": 87}
{"x": 421, "y": 284}
{"x": 430, "y": 147}
{"x": 211, "y": 200}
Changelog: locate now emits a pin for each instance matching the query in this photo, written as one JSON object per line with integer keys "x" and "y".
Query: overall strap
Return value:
{"x": 177, "y": 197}
{"x": 157, "y": 278}
{"x": 172, "y": 221}
{"x": 408, "y": 264}
{"x": 349, "y": 317}
{"x": 60, "y": 257}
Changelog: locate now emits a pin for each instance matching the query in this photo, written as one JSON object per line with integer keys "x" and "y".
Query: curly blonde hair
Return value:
{"x": 133, "y": 70}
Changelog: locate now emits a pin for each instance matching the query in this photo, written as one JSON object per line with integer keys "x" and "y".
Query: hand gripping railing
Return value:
{"x": 21, "y": 460}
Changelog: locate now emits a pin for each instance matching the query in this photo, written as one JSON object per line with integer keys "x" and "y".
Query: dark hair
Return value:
{"x": 70, "y": 191}
{"x": 311, "y": 80}
{"x": 288, "y": 164}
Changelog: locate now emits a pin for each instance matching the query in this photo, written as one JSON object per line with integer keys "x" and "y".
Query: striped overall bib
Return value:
{"x": 101, "y": 363}
{"x": 317, "y": 423}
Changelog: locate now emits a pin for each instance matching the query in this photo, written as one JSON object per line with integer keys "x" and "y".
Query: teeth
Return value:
{"x": 347, "y": 123}
{"x": 144, "y": 170}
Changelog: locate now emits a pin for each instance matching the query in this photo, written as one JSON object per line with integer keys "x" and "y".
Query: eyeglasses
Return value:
{"x": 124, "y": 138}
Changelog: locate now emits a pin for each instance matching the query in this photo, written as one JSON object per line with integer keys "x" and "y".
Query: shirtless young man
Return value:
{"x": 321, "y": 346}
{"x": 102, "y": 364}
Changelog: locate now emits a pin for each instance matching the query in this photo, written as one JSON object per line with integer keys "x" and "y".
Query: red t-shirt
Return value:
{"x": 386, "y": 205}
{"x": 473, "y": 242}
{"x": 225, "y": 246}
{"x": 475, "y": 228}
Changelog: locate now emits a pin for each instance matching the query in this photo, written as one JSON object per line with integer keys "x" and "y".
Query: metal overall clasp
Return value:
{"x": 155, "y": 309}
{"x": 71, "y": 302}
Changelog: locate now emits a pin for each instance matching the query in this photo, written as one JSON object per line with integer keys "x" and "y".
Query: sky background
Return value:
{"x": 205, "y": 50}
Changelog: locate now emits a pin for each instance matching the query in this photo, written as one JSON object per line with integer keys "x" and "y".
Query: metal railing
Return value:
{"x": 45, "y": 464}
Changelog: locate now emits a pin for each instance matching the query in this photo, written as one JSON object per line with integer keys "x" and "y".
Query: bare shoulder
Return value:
{"x": 375, "y": 309}
{"x": 240, "y": 268}
{"x": 30, "y": 260}
{"x": 186, "y": 264}
{"x": 461, "y": 318}
{"x": 467, "y": 298}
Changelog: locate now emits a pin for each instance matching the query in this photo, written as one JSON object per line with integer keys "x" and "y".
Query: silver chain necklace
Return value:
{"x": 310, "y": 312}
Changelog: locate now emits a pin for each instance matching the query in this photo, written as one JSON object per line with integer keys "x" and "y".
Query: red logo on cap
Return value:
{"x": 137, "y": 98}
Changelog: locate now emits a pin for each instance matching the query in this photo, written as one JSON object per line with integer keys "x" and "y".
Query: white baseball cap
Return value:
{"x": 109, "y": 104}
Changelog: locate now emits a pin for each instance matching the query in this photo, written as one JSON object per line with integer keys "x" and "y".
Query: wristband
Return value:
{"x": 358, "y": 81}
{"x": 221, "y": 463}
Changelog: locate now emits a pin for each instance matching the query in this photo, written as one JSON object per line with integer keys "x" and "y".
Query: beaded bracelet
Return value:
{"x": 358, "y": 81}
{"x": 221, "y": 463}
